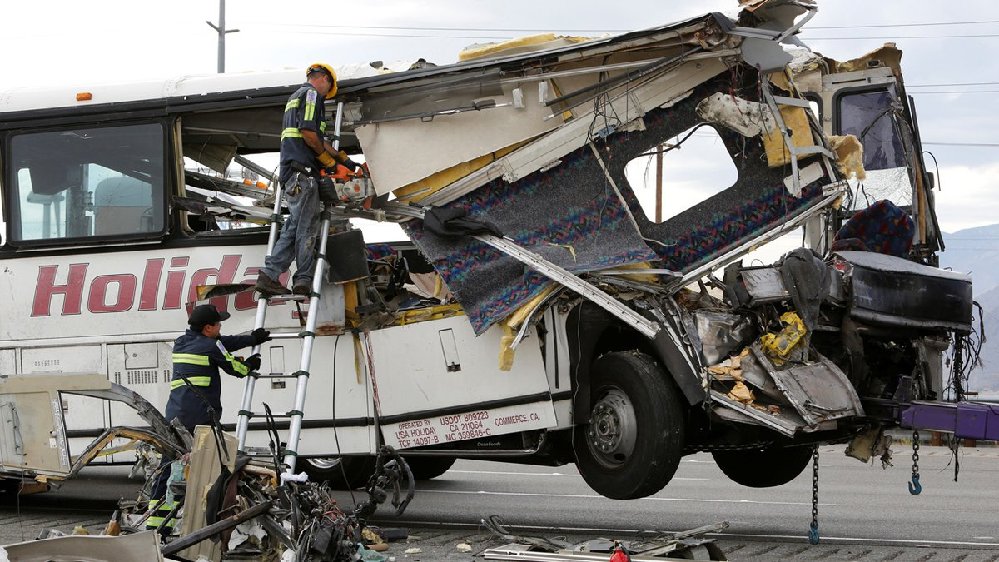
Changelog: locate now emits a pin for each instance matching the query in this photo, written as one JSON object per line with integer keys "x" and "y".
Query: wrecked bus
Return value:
{"x": 540, "y": 311}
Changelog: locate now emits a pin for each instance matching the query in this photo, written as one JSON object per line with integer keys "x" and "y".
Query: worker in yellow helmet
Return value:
{"x": 304, "y": 153}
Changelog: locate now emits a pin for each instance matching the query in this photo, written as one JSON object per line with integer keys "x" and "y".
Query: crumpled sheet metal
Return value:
{"x": 756, "y": 203}
{"x": 750, "y": 118}
{"x": 570, "y": 205}
{"x": 143, "y": 546}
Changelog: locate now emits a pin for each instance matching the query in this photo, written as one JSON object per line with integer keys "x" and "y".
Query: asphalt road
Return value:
{"x": 857, "y": 502}
{"x": 865, "y": 513}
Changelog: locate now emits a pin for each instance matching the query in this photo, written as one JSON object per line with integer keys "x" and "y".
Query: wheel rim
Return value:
{"x": 324, "y": 463}
{"x": 613, "y": 429}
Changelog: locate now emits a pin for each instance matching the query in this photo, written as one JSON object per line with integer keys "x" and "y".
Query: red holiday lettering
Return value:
{"x": 72, "y": 291}
{"x": 97, "y": 300}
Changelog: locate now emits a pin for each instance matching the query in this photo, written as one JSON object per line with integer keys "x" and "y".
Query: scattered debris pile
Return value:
{"x": 223, "y": 505}
{"x": 689, "y": 545}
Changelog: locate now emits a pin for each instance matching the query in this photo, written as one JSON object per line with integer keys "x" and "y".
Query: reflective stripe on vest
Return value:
{"x": 160, "y": 509}
{"x": 191, "y": 359}
{"x": 195, "y": 381}
{"x": 310, "y": 109}
{"x": 237, "y": 366}
{"x": 292, "y": 104}
{"x": 291, "y": 133}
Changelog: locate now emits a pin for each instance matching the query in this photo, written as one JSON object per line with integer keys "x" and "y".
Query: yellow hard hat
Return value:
{"x": 323, "y": 67}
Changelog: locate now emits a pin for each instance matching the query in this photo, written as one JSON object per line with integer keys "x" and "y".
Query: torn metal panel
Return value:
{"x": 781, "y": 16}
{"x": 721, "y": 333}
{"x": 763, "y": 285}
{"x": 766, "y": 54}
{"x": 744, "y": 117}
{"x": 570, "y": 207}
{"x": 883, "y": 289}
{"x": 33, "y": 436}
{"x": 818, "y": 390}
{"x": 87, "y": 548}
{"x": 547, "y": 151}
{"x": 785, "y": 422}
{"x": 434, "y": 143}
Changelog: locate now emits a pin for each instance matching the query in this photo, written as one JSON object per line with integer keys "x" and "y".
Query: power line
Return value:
{"x": 949, "y": 84}
{"x": 976, "y": 144}
{"x": 923, "y": 24}
{"x": 955, "y": 92}
{"x": 896, "y": 37}
{"x": 461, "y": 29}
{"x": 579, "y": 30}
{"x": 404, "y": 35}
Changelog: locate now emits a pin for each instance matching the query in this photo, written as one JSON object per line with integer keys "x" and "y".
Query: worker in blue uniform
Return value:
{"x": 196, "y": 387}
{"x": 305, "y": 152}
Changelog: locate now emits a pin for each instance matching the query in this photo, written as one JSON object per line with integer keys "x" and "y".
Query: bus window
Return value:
{"x": 869, "y": 115}
{"x": 93, "y": 182}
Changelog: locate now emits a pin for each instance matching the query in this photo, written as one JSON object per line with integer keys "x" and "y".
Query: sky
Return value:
{"x": 949, "y": 58}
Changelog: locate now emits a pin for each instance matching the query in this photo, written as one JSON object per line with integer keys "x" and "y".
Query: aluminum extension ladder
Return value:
{"x": 297, "y": 413}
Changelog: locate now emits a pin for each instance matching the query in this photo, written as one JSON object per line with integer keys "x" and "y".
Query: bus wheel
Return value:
{"x": 763, "y": 468}
{"x": 427, "y": 468}
{"x": 633, "y": 442}
{"x": 342, "y": 473}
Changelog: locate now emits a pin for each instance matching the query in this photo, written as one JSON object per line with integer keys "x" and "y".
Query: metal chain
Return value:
{"x": 813, "y": 531}
{"x": 914, "y": 486}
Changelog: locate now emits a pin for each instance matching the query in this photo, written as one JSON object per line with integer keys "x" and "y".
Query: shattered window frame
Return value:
{"x": 703, "y": 190}
{"x": 879, "y": 122}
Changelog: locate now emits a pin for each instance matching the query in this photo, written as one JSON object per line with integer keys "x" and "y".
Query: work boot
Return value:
{"x": 269, "y": 287}
{"x": 302, "y": 289}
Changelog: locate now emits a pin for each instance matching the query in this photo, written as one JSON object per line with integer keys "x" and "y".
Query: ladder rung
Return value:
{"x": 278, "y": 376}
{"x": 285, "y": 415}
{"x": 288, "y": 298}
{"x": 258, "y": 452}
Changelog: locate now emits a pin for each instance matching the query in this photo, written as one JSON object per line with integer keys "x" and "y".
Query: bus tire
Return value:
{"x": 428, "y": 468}
{"x": 763, "y": 468}
{"x": 632, "y": 444}
{"x": 341, "y": 473}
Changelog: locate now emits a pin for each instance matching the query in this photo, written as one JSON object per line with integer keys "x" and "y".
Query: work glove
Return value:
{"x": 327, "y": 190}
{"x": 326, "y": 160}
{"x": 260, "y": 335}
{"x": 252, "y": 362}
{"x": 351, "y": 165}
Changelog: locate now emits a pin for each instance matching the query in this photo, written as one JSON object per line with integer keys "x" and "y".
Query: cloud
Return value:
{"x": 967, "y": 196}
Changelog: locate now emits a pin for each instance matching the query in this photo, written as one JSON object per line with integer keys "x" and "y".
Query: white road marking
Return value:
{"x": 549, "y": 474}
{"x": 599, "y": 497}
{"x": 506, "y": 473}
{"x": 916, "y": 542}
{"x": 795, "y": 538}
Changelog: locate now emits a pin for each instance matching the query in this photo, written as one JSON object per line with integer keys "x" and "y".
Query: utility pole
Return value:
{"x": 221, "y": 30}
{"x": 659, "y": 183}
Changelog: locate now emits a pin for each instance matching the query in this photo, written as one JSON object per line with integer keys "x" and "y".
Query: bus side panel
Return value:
{"x": 437, "y": 383}
{"x": 345, "y": 399}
